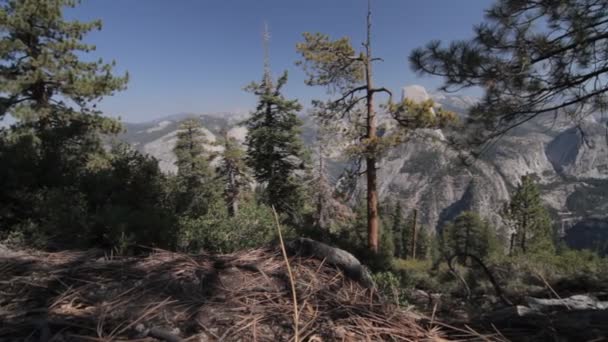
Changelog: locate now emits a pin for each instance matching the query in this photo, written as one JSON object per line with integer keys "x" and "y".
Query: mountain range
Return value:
{"x": 569, "y": 162}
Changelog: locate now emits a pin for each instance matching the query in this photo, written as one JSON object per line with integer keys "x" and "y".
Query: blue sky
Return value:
{"x": 197, "y": 55}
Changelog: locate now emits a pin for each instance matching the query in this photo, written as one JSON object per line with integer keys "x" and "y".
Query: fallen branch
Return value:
{"x": 486, "y": 270}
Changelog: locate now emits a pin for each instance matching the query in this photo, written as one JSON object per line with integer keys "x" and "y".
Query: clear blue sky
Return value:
{"x": 197, "y": 55}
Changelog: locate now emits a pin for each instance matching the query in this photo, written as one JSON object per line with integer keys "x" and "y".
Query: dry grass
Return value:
{"x": 245, "y": 296}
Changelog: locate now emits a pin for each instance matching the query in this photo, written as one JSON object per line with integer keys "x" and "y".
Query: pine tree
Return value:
{"x": 41, "y": 66}
{"x": 434, "y": 249}
{"x": 275, "y": 151}
{"x": 414, "y": 238}
{"x": 467, "y": 234}
{"x": 529, "y": 219}
{"x": 531, "y": 58}
{"x": 335, "y": 65}
{"x": 49, "y": 87}
{"x": 398, "y": 230}
{"x": 234, "y": 172}
{"x": 196, "y": 188}
{"x": 423, "y": 245}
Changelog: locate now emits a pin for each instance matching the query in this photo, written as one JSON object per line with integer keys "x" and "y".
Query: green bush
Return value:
{"x": 417, "y": 274}
{"x": 219, "y": 232}
{"x": 389, "y": 285}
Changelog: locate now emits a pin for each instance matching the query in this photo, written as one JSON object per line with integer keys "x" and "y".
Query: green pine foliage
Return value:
{"x": 397, "y": 230}
{"x": 219, "y": 231}
{"x": 130, "y": 202}
{"x": 275, "y": 151}
{"x": 468, "y": 234}
{"x": 40, "y": 53}
{"x": 348, "y": 77}
{"x": 421, "y": 244}
{"x": 531, "y": 57}
{"x": 353, "y": 238}
{"x": 233, "y": 173}
{"x": 530, "y": 221}
{"x": 55, "y": 146}
{"x": 195, "y": 186}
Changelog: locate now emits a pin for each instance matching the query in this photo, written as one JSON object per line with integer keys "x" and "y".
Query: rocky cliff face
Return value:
{"x": 426, "y": 175}
{"x": 570, "y": 164}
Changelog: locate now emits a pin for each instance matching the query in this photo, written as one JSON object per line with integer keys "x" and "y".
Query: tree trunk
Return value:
{"x": 233, "y": 207}
{"x": 372, "y": 192}
{"x": 321, "y": 189}
{"x": 372, "y": 205}
{"x": 467, "y": 238}
{"x": 414, "y": 233}
{"x": 523, "y": 233}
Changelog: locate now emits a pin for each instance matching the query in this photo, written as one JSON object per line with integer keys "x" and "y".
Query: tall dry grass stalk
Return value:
{"x": 291, "y": 278}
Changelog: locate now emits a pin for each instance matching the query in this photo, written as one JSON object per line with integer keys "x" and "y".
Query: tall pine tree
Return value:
{"x": 398, "y": 230}
{"x": 468, "y": 234}
{"x": 196, "y": 187}
{"x": 414, "y": 238}
{"x": 234, "y": 173}
{"x": 41, "y": 69}
{"x": 532, "y": 228}
{"x": 51, "y": 91}
{"x": 336, "y": 65}
{"x": 275, "y": 151}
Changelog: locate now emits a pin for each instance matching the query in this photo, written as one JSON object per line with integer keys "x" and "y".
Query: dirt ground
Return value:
{"x": 246, "y": 296}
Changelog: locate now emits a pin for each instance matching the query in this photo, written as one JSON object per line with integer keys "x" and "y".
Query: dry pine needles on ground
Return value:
{"x": 245, "y": 296}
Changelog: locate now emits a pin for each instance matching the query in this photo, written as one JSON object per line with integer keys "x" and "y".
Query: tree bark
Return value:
{"x": 372, "y": 179}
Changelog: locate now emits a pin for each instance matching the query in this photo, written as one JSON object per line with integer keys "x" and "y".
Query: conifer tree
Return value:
{"x": 467, "y": 234}
{"x": 234, "y": 172}
{"x": 529, "y": 219}
{"x": 398, "y": 230}
{"x": 423, "y": 244}
{"x": 275, "y": 151}
{"x": 195, "y": 186}
{"x": 41, "y": 67}
{"x": 51, "y": 90}
{"x": 414, "y": 238}
{"x": 531, "y": 58}
{"x": 336, "y": 65}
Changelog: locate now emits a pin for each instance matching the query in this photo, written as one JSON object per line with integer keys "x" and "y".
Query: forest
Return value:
{"x": 73, "y": 196}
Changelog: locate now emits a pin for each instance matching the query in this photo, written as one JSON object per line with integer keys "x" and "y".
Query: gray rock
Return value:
{"x": 333, "y": 256}
{"x": 576, "y": 302}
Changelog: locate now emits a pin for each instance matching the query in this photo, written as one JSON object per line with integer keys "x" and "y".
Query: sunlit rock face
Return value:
{"x": 415, "y": 93}
{"x": 569, "y": 163}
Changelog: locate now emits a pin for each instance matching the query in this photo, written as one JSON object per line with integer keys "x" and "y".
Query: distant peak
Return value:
{"x": 415, "y": 93}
